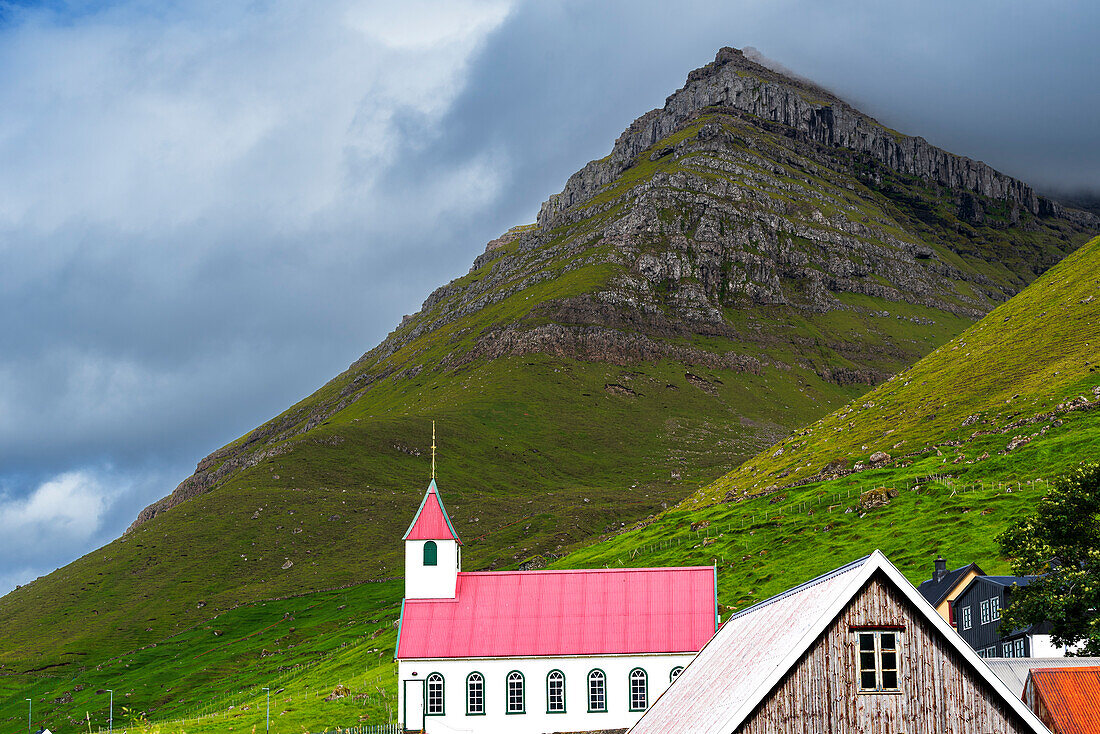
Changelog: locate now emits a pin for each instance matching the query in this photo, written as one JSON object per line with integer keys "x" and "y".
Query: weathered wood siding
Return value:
{"x": 939, "y": 693}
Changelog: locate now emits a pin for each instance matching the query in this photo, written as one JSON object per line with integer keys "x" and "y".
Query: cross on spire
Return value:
{"x": 433, "y": 450}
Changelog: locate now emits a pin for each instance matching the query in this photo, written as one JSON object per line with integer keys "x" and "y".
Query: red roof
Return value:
{"x": 431, "y": 521}
{"x": 1070, "y": 696}
{"x": 584, "y": 612}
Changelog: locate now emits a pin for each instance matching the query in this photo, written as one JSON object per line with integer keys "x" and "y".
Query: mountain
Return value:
{"x": 747, "y": 259}
{"x": 939, "y": 459}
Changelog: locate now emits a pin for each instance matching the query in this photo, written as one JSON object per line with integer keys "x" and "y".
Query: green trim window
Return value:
{"x": 515, "y": 694}
{"x": 431, "y": 553}
{"x": 555, "y": 692}
{"x": 639, "y": 690}
{"x": 475, "y": 694}
{"x": 878, "y": 661}
{"x": 597, "y": 691}
{"x": 435, "y": 695}
{"x": 675, "y": 673}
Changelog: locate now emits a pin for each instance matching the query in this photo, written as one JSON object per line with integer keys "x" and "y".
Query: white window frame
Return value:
{"x": 558, "y": 677}
{"x": 597, "y": 691}
{"x": 675, "y": 673}
{"x": 986, "y": 618}
{"x": 475, "y": 694}
{"x": 516, "y": 703}
{"x": 434, "y": 705}
{"x": 995, "y": 608}
{"x": 966, "y": 618}
{"x": 639, "y": 689}
{"x": 877, "y": 651}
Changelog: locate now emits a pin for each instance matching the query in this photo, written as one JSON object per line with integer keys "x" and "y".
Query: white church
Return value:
{"x": 533, "y": 652}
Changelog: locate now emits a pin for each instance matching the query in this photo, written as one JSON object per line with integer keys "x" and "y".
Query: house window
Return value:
{"x": 1020, "y": 648}
{"x": 966, "y": 620}
{"x": 555, "y": 692}
{"x": 995, "y": 608}
{"x": 639, "y": 690}
{"x": 435, "y": 695}
{"x": 515, "y": 693}
{"x": 431, "y": 553}
{"x": 675, "y": 673}
{"x": 878, "y": 661}
{"x": 986, "y": 617}
{"x": 475, "y": 694}
{"x": 597, "y": 691}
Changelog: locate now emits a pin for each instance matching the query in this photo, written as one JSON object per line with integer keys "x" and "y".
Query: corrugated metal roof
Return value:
{"x": 1071, "y": 697}
{"x": 431, "y": 521}
{"x": 1014, "y": 671}
{"x": 756, "y": 648}
{"x": 582, "y": 612}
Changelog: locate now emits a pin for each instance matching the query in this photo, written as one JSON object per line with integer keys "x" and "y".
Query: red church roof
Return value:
{"x": 1069, "y": 696}
{"x": 431, "y": 521}
{"x": 584, "y": 612}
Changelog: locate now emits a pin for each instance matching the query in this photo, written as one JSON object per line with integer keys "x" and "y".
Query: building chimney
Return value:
{"x": 941, "y": 569}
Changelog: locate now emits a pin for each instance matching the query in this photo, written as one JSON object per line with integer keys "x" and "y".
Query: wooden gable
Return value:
{"x": 940, "y": 691}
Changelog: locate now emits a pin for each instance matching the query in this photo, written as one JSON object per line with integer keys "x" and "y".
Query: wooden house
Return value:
{"x": 855, "y": 650}
{"x": 978, "y": 610}
{"x": 940, "y": 590}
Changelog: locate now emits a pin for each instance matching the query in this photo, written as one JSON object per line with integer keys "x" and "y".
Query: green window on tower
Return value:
{"x": 431, "y": 553}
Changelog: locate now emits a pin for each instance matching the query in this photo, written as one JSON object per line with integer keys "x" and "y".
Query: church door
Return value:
{"x": 414, "y": 705}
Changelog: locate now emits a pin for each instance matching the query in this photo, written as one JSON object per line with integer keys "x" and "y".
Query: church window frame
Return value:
{"x": 515, "y": 693}
{"x": 431, "y": 553}
{"x": 597, "y": 694}
{"x": 559, "y": 708}
{"x": 675, "y": 673}
{"x": 638, "y": 689}
{"x": 435, "y": 700}
{"x": 475, "y": 694}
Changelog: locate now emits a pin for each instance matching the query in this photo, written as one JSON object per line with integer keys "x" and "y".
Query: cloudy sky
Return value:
{"x": 209, "y": 208}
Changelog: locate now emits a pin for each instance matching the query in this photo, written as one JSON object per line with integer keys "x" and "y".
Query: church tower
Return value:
{"x": 433, "y": 552}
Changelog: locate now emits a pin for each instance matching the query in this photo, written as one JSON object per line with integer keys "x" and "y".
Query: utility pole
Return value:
{"x": 268, "y": 708}
{"x": 29, "y": 704}
{"x": 111, "y": 715}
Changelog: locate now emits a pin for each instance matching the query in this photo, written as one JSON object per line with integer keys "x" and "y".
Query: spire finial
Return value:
{"x": 433, "y": 450}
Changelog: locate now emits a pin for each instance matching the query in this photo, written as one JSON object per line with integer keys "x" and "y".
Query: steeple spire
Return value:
{"x": 433, "y": 451}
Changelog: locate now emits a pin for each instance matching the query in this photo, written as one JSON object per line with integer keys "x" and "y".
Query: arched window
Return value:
{"x": 431, "y": 553}
{"x": 475, "y": 694}
{"x": 597, "y": 691}
{"x": 555, "y": 692}
{"x": 515, "y": 693}
{"x": 639, "y": 690}
{"x": 435, "y": 695}
{"x": 675, "y": 673}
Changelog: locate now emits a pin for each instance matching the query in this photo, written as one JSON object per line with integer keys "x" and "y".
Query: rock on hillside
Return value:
{"x": 755, "y": 224}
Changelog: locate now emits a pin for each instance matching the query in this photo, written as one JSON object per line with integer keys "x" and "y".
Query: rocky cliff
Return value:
{"x": 735, "y": 82}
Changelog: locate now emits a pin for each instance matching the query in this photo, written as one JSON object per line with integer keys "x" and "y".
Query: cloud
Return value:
{"x": 65, "y": 509}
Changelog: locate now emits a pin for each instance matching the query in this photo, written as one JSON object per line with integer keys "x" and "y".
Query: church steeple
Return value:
{"x": 433, "y": 556}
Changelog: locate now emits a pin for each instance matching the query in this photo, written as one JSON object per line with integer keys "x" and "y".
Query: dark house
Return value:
{"x": 940, "y": 590}
{"x": 978, "y": 610}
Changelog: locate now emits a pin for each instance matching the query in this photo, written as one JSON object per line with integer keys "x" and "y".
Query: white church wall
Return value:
{"x": 431, "y": 582}
{"x": 536, "y": 719}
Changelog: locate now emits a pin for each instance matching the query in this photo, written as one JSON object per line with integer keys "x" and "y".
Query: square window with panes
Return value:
{"x": 986, "y": 617}
{"x": 966, "y": 620}
{"x": 878, "y": 661}
{"x": 995, "y": 608}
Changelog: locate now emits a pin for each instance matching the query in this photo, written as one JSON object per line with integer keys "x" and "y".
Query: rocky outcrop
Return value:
{"x": 735, "y": 82}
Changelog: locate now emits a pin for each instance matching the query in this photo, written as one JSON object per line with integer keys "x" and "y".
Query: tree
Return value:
{"x": 1060, "y": 544}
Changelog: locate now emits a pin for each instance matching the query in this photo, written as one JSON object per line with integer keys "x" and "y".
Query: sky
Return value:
{"x": 210, "y": 208}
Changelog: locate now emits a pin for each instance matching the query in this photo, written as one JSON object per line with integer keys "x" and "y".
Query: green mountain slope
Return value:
{"x": 975, "y": 430}
{"x": 747, "y": 259}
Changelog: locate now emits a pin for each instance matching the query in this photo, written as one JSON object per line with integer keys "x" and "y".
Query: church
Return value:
{"x": 532, "y": 652}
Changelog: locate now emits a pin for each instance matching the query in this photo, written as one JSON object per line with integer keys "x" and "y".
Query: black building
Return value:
{"x": 978, "y": 610}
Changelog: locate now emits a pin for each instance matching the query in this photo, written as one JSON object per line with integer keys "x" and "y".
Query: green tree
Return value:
{"x": 1060, "y": 543}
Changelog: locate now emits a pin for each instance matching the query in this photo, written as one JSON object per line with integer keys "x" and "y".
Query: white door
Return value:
{"x": 414, "y": 705}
